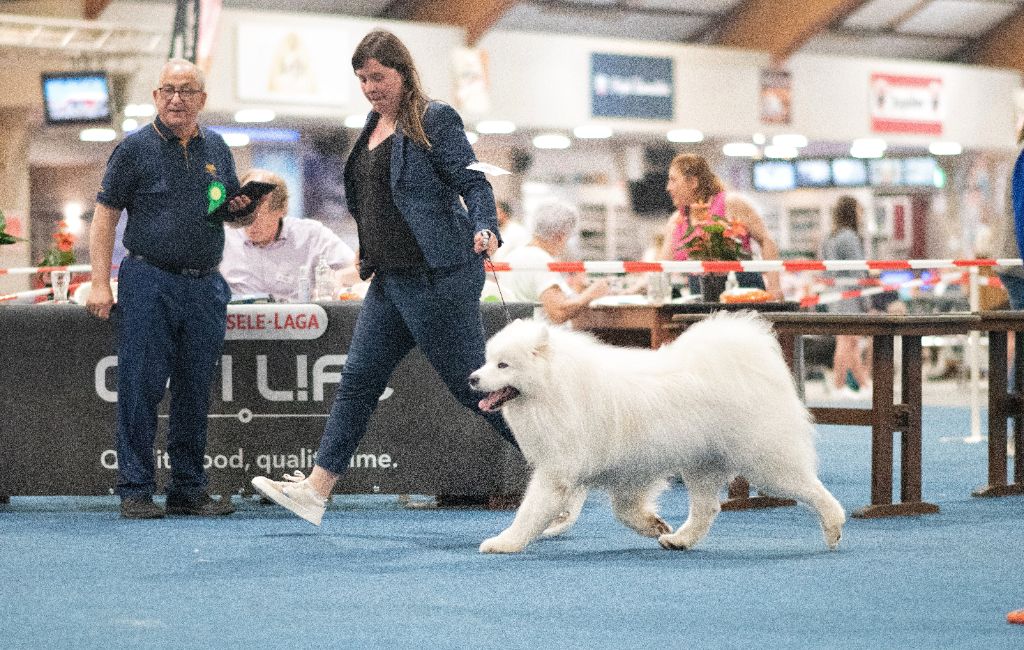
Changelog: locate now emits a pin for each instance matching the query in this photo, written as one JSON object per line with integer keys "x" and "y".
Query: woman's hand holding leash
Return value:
{"x": 485, "y": 242}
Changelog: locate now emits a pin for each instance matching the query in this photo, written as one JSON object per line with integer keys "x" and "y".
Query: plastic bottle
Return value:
{"x": 324, "y": 289}
{"x": 731, "y": 282}
{"x": 303, "y": 288}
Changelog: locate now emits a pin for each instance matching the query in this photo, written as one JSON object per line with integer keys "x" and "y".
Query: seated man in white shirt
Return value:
{"x": 554, "y": 224}
{"x": 268, "y": 256}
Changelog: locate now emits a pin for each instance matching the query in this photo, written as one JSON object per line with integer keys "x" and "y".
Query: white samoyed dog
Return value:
{"x": 716, "y": 403}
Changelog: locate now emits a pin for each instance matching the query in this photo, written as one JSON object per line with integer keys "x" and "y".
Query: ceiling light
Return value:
{"x": 73, "y": 217}
{"x": 945, "y": 149}
{"x": 235, "y": 138}
{"x": 255, "y": 115}
{"x": 139, "y": 110}
{"x": 868, "y": 148}
{"x": 472, "y": 136}
{"x": 685, "y": 135}
{"x": 97, "y": 135}
{"x": 780, "y": 151}
{"x": 740, "y": 149}
{"x": 552, "y": 141}
{"x": 495, "y": 126}
{"x": 759, "y": 138}
{"x": 592, "y": 131}
{"x": 789, "y": 140}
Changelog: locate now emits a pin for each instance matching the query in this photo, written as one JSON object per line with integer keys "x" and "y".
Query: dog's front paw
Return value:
{"x": 654, "y": 526}
{"x": 677, "y": 542}
{"x": 500, "y": 545}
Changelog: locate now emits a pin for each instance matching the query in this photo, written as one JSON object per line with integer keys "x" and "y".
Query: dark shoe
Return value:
{"x": 140, "y": 508}
{"x": 201, "y": 506}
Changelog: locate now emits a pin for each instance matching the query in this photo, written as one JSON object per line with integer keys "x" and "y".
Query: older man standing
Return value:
{"x": 170, "y": 176}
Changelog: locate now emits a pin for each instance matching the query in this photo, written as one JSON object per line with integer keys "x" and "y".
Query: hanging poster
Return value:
{"x": 776, "y": 97}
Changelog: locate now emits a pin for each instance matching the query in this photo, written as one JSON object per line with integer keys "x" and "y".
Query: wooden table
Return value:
{"x": 1004, "y": 402}
{"x": 889, "y": 412}
{"x": 651, "y": 325}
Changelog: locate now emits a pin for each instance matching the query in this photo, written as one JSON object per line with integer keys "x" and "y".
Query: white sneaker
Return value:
{"x": 847, "y": 393}
{"x": 294, "y": 493}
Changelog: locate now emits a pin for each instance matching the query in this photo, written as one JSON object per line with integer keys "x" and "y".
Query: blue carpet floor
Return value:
{"x": 377, "y": 575}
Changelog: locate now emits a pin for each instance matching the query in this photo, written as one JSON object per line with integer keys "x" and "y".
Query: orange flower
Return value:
{"x": 65, "y": 241}
{"x": 735, "y": 229}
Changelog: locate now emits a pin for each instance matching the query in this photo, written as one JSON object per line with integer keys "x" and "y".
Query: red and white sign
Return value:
{"x": 903, "y": 104}
{"x": 275, "y": 322}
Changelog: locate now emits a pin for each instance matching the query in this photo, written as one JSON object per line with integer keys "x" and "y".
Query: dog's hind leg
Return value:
{"x": 704, "y": 507}
{"x": 810, "y": 491}
{"x": 569, "y": 514}
{"x": 542, "y": 501}
{"x": 636, "y": 507}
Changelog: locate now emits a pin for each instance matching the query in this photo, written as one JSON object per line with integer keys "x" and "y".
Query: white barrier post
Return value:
{"x": 973, "y": 345}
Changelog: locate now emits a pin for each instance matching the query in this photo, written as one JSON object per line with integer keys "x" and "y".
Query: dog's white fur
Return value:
{"x": 716, "y": 403}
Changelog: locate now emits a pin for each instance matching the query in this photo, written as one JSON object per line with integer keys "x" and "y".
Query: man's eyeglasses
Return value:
{"x": 167, "y": 92}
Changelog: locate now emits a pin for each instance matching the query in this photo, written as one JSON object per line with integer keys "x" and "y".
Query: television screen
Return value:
{"x": 849, "y": 172}
{"x": 76, "y": 97}
{"x": 774, "y": 175}
{"x": 813, "y": 172}
{"x": 648, "y": 195}
{"x": 886, "y": 171}
{"x": 919, "y": 172}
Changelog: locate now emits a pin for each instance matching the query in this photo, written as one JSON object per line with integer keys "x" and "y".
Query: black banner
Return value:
{"x": 276, "y": 381}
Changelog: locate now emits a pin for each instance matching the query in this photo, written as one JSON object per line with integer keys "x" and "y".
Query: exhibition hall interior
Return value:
{"x": 860, "y": 196}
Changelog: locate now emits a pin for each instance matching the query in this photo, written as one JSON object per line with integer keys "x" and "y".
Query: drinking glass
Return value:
{"x": 60, "y": 281}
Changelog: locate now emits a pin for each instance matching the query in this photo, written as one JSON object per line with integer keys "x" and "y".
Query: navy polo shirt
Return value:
{"x": 163, "y": 183}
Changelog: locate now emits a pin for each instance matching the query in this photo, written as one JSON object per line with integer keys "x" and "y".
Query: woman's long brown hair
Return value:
{"x": 690, "y": 164}
{"x": 391, "y": 53}
{"x": 844, "y": 214}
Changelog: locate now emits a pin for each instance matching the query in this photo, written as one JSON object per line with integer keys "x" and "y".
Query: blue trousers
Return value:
{"x": 438, "y": 311}
{"x": 169, "y": 327}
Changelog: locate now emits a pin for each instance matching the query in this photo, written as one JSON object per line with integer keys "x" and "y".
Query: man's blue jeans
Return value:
{"x": 170, "y": 326}
{"x": 438, "y": 311}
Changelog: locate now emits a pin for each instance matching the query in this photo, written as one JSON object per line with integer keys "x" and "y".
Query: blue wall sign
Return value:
{"x": 631, "y": 86}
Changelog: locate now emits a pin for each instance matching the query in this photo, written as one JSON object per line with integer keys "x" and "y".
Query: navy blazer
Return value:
{"x": 429, "y": 186}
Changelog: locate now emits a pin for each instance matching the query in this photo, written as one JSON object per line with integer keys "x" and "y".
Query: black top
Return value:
{"x": 385, "y": 241}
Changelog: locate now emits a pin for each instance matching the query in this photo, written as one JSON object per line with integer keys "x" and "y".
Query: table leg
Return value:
{"x": 739, "y": 490}
{"x": 1000, "y": 408}
{"x": 889, "y": 416}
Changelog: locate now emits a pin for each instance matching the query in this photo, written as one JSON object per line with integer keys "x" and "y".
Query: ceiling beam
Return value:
{"x": 91, "y": 9}
{"x": 780, "y": 27}
{"x": 1002, "y": 46}
{"x": 475, "y": 16}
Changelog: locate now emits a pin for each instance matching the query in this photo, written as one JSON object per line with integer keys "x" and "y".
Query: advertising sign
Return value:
{"x": 904, "y": 104}
{"x": 631, "y": 86}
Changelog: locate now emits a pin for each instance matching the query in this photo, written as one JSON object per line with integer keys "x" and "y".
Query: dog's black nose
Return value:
{"x": 473, "y": 381}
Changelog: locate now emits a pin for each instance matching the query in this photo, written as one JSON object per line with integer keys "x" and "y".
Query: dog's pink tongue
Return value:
{"x": 487, "y": 403}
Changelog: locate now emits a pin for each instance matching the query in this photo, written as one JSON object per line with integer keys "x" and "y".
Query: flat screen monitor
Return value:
{"x": 919, "y": 171}
{"x": 774, "y": 175}
{"x": 886, "y": 172}
{"x": 849, "y": 172}
{"x": 813, "y": 172}
{"x": 76, "y": 97}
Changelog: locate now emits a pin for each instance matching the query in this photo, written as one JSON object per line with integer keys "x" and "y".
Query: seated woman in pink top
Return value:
{"x": 697, "y": 192}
